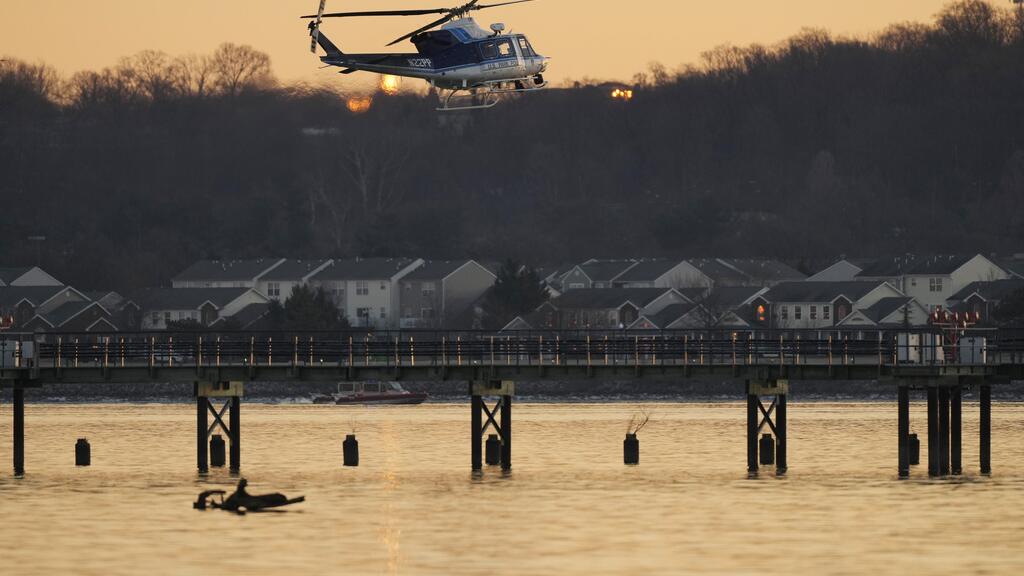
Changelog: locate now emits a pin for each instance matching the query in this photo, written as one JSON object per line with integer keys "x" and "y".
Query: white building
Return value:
{"x": 366, "y": 289}
{"x": 278, "y": 283}
{"x": 814, "y": 305}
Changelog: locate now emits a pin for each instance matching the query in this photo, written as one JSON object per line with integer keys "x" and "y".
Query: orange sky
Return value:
{"x": 585, "y": 38}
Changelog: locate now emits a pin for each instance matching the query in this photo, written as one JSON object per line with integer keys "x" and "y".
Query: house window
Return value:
{"x": 427, "y": 289}
{"x": 814, "y": 312}
{"x": 913, "y": 281}
{"x": 784, "y": 312}
{"x": 383, "y": 313}
{"x": 167, "y": 317}
{"x": 797, "y": 312}
{"x": 362, "y": 313}
{"x": 935, "y": 284}
{"x": 826, "y": 312}
{"x": 576, "y": 286}
{"x": 154, "y": 318}
{"x": 362, "y": 288}
{"x": 274, "y": 289}
{"x": 426, "y": 313}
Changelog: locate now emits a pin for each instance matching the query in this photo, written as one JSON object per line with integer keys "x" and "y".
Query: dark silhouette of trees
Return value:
{"x": 516, "y": 291}
{"x": 908, "y": 141}
{"x": 306, "y": 309}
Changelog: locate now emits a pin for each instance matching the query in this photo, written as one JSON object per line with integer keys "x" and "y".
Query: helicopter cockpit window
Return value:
{"x": 524, "y": 47}
{"x": 505, "y": 48}
{"x": 488, "y": 51}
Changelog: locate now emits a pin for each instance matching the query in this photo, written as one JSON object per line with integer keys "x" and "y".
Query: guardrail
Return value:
{"x": 521, "y": 348}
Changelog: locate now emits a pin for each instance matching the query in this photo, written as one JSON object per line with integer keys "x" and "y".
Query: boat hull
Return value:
{"x": 406, "y": 398}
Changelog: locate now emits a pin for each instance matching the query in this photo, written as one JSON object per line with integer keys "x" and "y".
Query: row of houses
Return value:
{"x": 891, "y": 292}
{"x": 642, "y": 294}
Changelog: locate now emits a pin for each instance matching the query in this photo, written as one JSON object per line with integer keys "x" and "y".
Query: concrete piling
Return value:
{"x": 955, "y": 431}
{"x": 235, "y": 419}
{"x": 202, "y": 459}
{"x": 985, "y": 433}
{"x": 83, "y": 453}
{"x": 780, "y": 428}
{"x": 19, "y": 431}
{"x": 915, "y": 450}
{"x": 943, "y": 431}
{"x": 933, "y": 431}
{"x": 631, "y": 450}
{"x": 350, "y": 450}
{"x": 752, "y": 425}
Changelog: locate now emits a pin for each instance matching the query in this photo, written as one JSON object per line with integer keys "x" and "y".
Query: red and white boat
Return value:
{"x": 371, "y": 393}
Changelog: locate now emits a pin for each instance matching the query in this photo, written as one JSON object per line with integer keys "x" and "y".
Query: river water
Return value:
{"x": 568, "y": 507}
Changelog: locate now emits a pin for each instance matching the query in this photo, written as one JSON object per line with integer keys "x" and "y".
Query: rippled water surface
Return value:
{"x": 568, "y": 507}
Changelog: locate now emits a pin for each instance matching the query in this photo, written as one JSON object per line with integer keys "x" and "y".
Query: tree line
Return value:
{"x": 907, "y": 141}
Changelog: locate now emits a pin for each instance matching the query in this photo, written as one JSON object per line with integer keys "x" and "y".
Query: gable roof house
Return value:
{"x": 821, "y": 304}
{"x": 160, "y": 306}
{"x": 932, "y": 280}
{"x": 888, "y": 312}
{"x": 983, "y": 298}
{"x": 27, "y": 276}
{"x": 74, "y": 316}
{"x": 595, "y": 274}
{"x": 435, "y": 294}
{"x": 225, "y": 273}
{"x": 842, "y": 270}
{"x": 278, "y": 282}
{"x": 600, "y": 308}
{"x": 366, "y": 290}
{"x": 763, "y": 271}
{"x": 23, "y": 303}
{"x": 658, "y": 274}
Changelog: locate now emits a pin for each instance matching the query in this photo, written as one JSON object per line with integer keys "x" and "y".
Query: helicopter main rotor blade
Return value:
{"x": 482, "y": 6}
{"x": 437, "y": 22}
{"x": 382, "y": 13}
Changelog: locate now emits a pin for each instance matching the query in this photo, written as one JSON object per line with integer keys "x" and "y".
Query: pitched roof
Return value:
{"x": 227, "y": 270}
{"x": 8, "y": 275}
{"x": 249, "y": 315}
{"x": 819, "y": 291}
{"x": 606, "y": 270}
{"x": 36, "y": 295}
{"x": 61, "y": 314}
{"x": 731, "y": 296}
{"x": 438, "y": 269}
{"x": 1014, "y": 266}
{"x": 884, "y": 307}
{"x": 647, "y": 270}
{"x": 717, "y": 270}
{"x": 938, "y": 264}
{"x": 186, "y": 298}
{"x": 670, "y": 314}
{"x": 607, "y": 298}
{"x": 764, "y": 270}
{"x": 363, "y": 269}
{"x": 990, "y": 290}
{"x": 887, "y": 267}
{"x": 293, "y": 269}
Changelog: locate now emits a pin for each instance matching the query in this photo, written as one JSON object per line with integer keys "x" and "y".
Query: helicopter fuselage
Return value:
{"x": 456, "y": 57}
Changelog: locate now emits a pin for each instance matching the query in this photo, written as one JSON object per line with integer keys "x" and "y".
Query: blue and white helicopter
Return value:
{"x": 470, "y": 67}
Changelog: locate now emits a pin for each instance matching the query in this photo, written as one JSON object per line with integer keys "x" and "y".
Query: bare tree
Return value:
{"x": 240, "y": 68}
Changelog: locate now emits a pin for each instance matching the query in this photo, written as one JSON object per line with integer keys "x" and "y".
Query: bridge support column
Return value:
{"x": 943, "y": 431}
{"x": 903, "y": 430}
{"x": 19, "y": 431}
{"x": 202, "y": 460}
{"x": 232, "y": 393}
{"x": 774, "y": 416}
{"x": 955, "y": 430}
{"x": 985, "y": 450}
{"x": 235, "y": 417}
{"x": 933, "y": 431}
{"x": 483, "y": 417}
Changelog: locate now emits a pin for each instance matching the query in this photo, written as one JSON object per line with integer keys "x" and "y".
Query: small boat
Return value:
{"x": 371, "y": 393}
{"x": 241, "y": 501}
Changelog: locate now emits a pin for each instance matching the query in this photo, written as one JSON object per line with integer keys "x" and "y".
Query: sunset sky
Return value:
{"x": 585, "y": 38}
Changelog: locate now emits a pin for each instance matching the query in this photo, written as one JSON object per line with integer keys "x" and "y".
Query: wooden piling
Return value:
{"x": 235, "y": 419}
{"x": 476, "y": 424}
{"x": 943, "y": 431}
{"x": 752, "y": 421}
{"x": 202, "y": 462}
{"x": 780, "y": 435}
{"x": 19, "y": 431}
{"x": 955, "y": 431}
{"x": 506, "y": 432}
{"x": 933, "y": 431}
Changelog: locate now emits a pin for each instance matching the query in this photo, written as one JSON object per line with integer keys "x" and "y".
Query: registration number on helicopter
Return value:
{"x": 420, "y": 62}
{"x": 500, "y": 65}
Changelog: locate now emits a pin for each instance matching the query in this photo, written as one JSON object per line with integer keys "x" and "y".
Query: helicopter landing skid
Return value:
{"x": 486, "y": 96}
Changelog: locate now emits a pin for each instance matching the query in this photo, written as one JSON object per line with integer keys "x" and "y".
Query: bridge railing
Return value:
{"x": 392, "y": 348}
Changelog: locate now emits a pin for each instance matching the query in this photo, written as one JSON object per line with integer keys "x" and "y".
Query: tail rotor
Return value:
{"x": 314, "y": 27}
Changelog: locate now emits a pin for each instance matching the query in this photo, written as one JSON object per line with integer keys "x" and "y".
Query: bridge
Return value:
{"x": 218, "y": 364}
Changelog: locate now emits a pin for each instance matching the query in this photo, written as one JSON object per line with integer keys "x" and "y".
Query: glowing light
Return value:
{"x": 624, "y": 94}
{"x": 390, "y": 85}
{"x": 359, "y": 104}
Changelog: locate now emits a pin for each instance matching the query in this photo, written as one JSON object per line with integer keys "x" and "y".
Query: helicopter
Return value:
{"x": 468, "y": 66}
